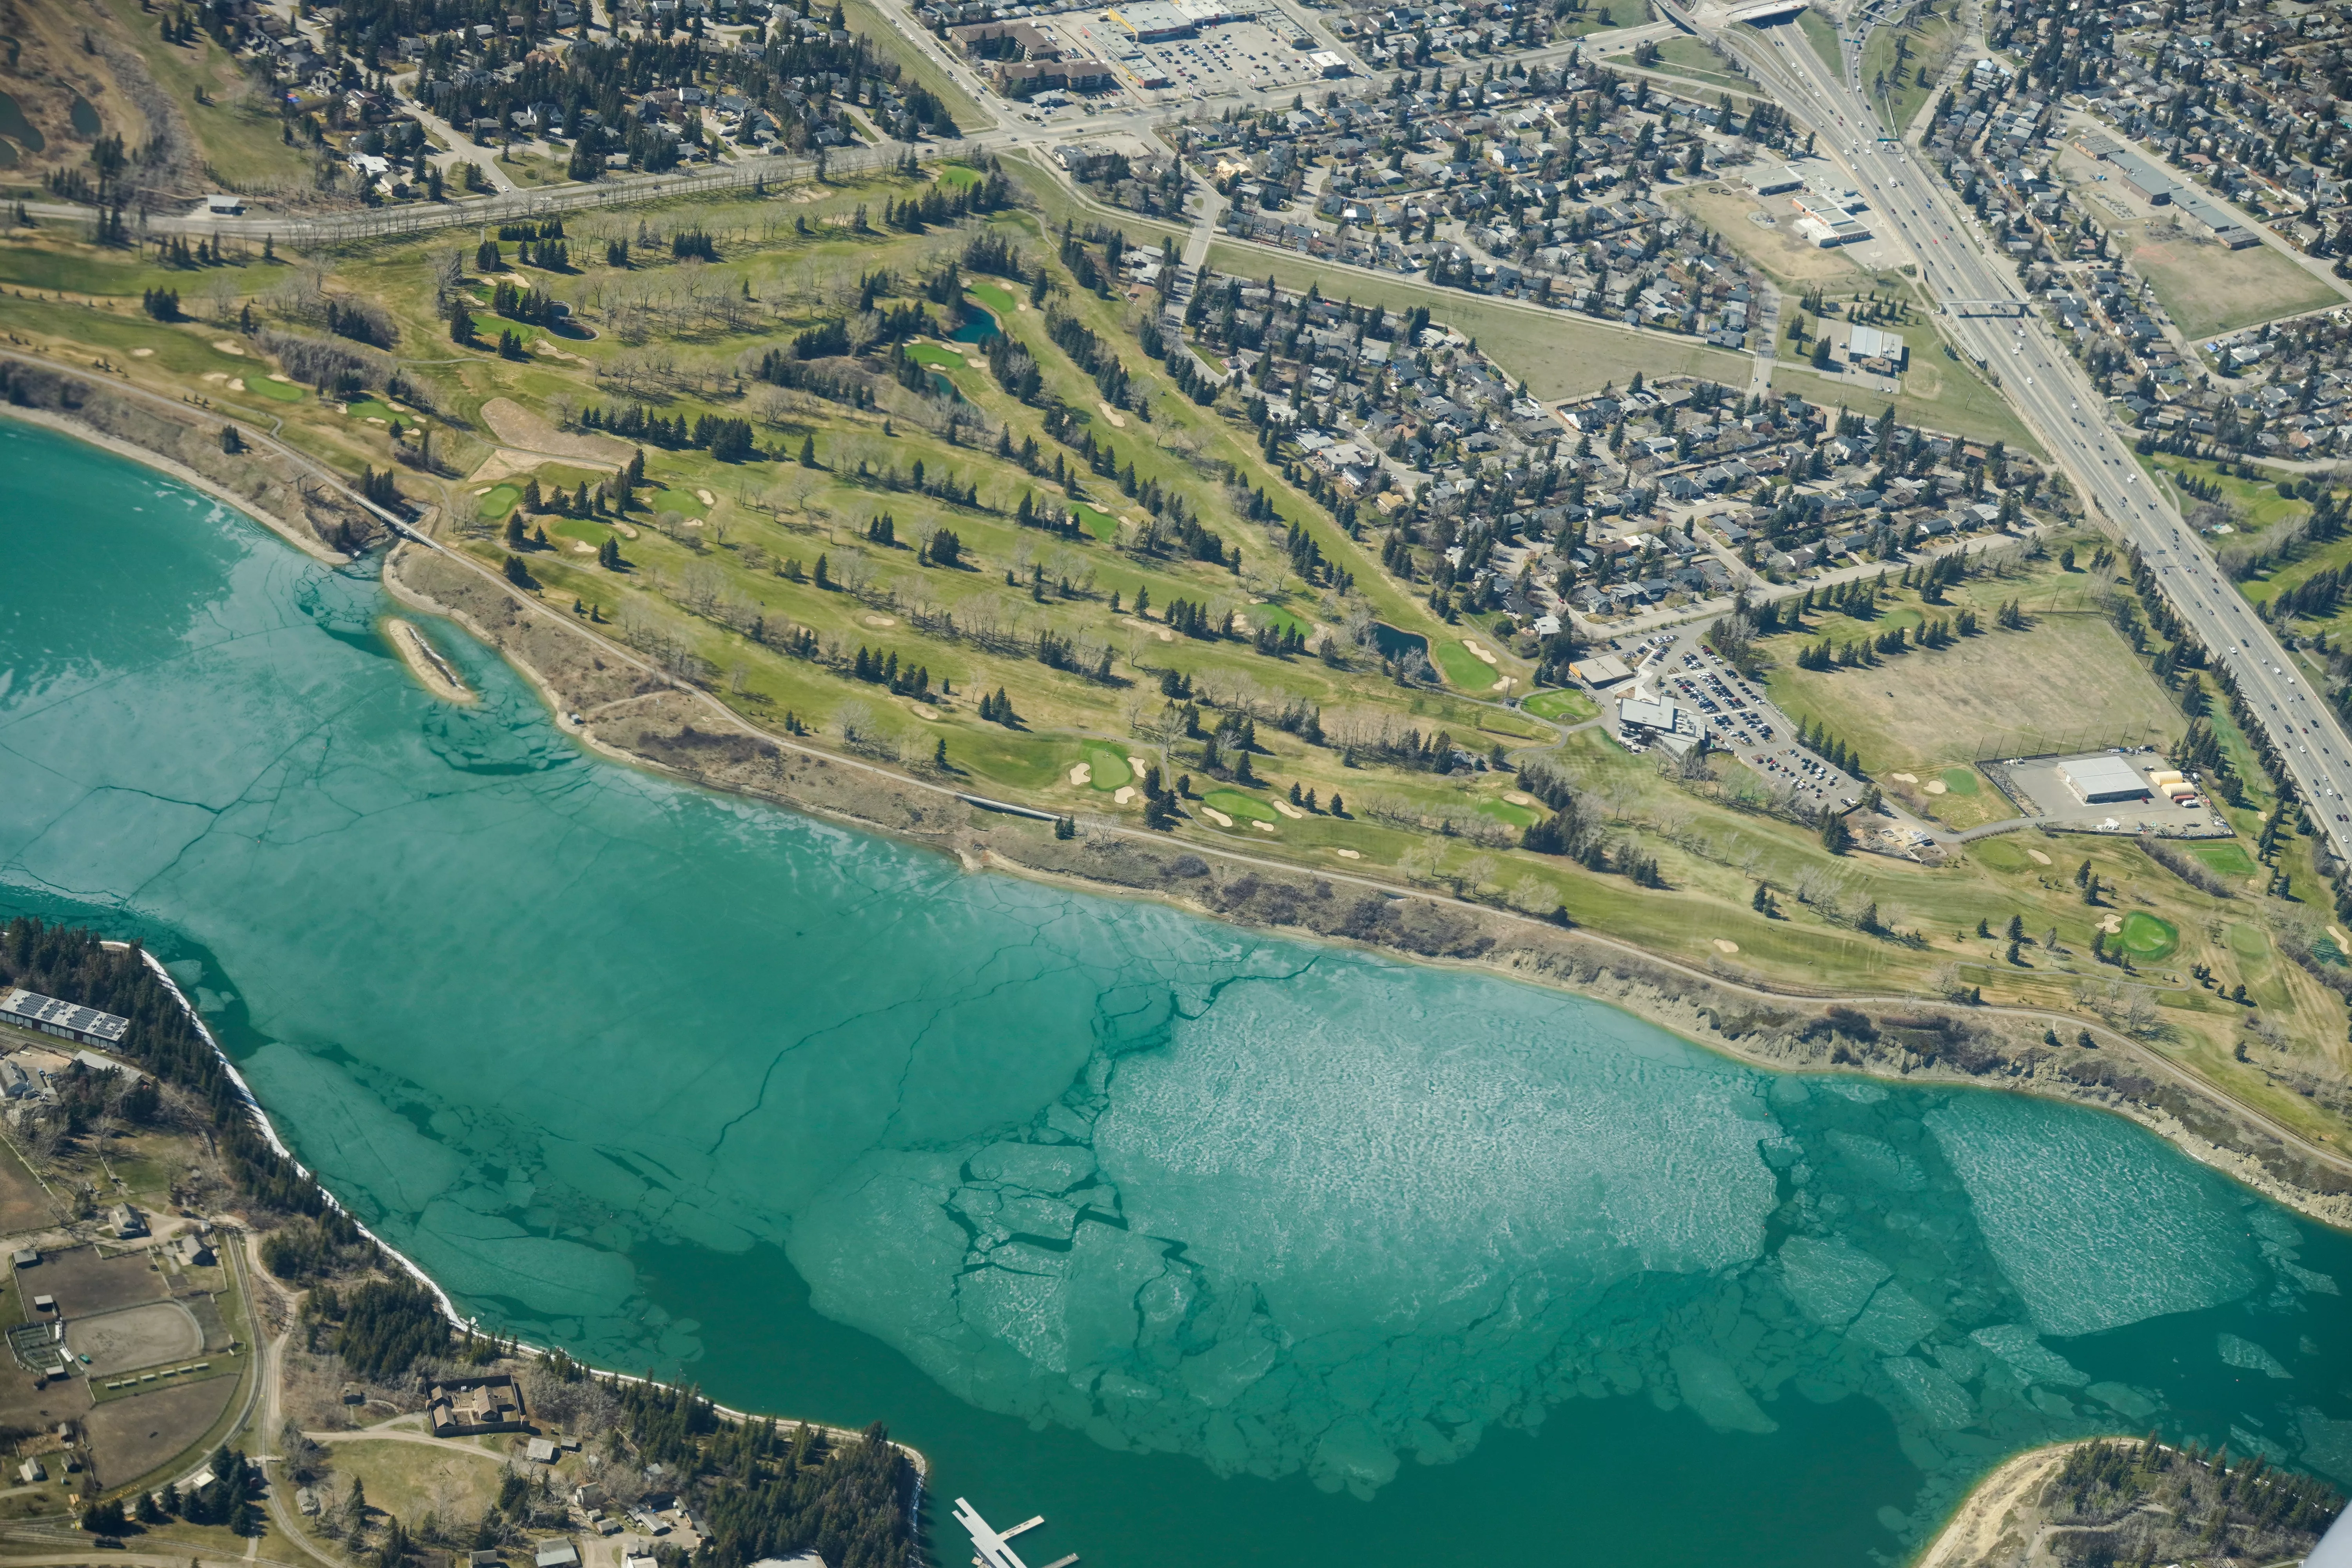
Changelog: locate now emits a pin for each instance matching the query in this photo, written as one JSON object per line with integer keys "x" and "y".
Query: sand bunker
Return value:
{"x": 1935, "y": 786}
{"x": 1348, "y": 854}
{"x": 1721, "y": 945}
{"x": 1519, "y": 797}
{"x": 880, "y": 621}
{"x": 1905, "y": 778}
{"x": 2040, "y": 858}
{"x": 706, "y": 498}
{"x": 1083, "y": 774}
{"x": 1263, "y": 826}
{"x": 1118, "y": 420}
{"x": 1289, "y": 811}
{"x": 1219, "y": 818}
{"x": 1477, "y": 652}
{"x": 229, "y": 346}
{"x": 1124, "y": 793}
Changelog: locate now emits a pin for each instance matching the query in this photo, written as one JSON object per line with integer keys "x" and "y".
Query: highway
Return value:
{"x": 1986, "y": 315}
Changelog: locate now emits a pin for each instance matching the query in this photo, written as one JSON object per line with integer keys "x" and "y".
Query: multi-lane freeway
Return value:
{"x": 1986, "y": 315}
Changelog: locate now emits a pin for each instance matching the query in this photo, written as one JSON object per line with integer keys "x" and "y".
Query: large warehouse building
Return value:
{"x": 2098, "y": 780}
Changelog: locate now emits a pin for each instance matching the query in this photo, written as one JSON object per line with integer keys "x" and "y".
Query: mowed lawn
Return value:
{"x": 2208, "y": 288}
{"x": 408, "y": 1480}
{"x": 2070, "y": 680}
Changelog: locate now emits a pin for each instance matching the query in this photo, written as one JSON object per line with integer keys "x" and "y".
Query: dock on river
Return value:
{"x": 992, "y": 1547}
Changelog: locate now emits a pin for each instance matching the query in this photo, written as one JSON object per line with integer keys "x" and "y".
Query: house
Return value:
{"x": 220, "y": 204}
{"x": 540, "y": 1451}
{"x": 126, "y": 1221}
{"x": 462, "y": 1406}
{"x": 193, "y": 1251}
{"x": 556, "y": 1553}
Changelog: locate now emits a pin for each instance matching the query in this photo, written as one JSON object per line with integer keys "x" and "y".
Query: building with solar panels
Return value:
{"x": 66, "y": 1020}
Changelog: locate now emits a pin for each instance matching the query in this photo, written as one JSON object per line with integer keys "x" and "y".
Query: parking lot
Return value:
{"x": 2035, "y": 780}
{"x": 1676, "y": 665}
{"x": 1245, "y": 55}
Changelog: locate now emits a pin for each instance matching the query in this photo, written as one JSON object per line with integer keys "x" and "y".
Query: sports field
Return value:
{"x": 2206, "y": 288}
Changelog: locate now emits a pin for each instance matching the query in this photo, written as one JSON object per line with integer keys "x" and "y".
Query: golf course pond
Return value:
{"x": 1196, "y": 1240}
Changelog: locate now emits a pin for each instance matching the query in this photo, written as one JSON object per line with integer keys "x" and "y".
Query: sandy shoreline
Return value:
{"x": 424, "y": 662}
{"x": 148, "y": 457}
{"x": 1976, "y": 1528}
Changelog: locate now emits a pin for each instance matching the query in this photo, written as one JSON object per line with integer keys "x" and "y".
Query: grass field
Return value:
{"x": 1924, "y": 712}
{"x": 1233, "y": 803}
{"x": 408, "y": 1480}
{"x": 1692, "y": 59}
{"x": 1937, "y": 394}
{"x": 1930, "y": 46}
{"x": 1790, "y": 260}
{"x": 239, "y": 130}
{"x": 2206, "y": 288}
{"x": 1823, "y": 34}
{"x": 1557, "y": 354}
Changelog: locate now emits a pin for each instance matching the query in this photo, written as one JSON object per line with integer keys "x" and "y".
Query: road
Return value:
{"x": 1986, "y": 315}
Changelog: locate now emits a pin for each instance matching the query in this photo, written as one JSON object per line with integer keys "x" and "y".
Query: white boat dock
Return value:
{"x": 993, "y": 1546}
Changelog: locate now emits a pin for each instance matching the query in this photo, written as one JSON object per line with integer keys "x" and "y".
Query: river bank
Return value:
{"x": 266, "y": 485}
{"x": 611, "y": 701}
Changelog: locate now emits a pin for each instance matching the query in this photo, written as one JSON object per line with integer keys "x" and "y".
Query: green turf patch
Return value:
{"x": 1000, "y": 301}
{"x": 2147, "y": 938}
{"x": 956, "y": 177}
{"x": 369, "y": 409}
{"x": 1960, "y": 781}
{"x": 1504, "y": 811}
{"x": 931, "y": 353}
{"x": 500, "y": 500}
{"x": 1464, "y": 670}
{"x": 2226, "y": 859}
{"x": 2000, "y": 854}
{"x": 1275, "y": 616}
{"x": 1110, "y": 768}
{"x": 1233, "y": 803}
{"x": 276, "y": 391}
{"x": 1566, "y": 704}
{"x": 1095, "y": 520}
{"x": 2248, "y": 941}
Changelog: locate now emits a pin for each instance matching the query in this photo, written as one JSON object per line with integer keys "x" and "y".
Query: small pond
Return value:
{"x": 979, "y": 326}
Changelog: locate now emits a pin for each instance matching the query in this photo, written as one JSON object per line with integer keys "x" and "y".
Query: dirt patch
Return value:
{"x": 132, "y": 1436}
{"x": 1992, "y": 1511}
{"x": 23, "y": 1205}
{"x": 86, "y": 1284}
{"x": 135, "y": 1337}
{"x": 516, "y": 426}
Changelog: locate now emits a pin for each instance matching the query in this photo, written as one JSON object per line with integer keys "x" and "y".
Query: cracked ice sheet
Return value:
{"x": 1354, "y": 1196}
{"x": 2094, "y": 1223}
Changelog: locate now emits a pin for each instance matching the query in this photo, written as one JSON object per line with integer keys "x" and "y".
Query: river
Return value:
{"x": 1199, "y": 1242}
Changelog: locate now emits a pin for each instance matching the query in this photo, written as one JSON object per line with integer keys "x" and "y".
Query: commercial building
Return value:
{"x": 1789, "y": 178}
{"x": 2142, "y": 178}
{"x": 2097, "y": 780}
{"x": 1042, "y": 76}
{"x": 31, "y": 1010}
{"x": 1870, "y": 342}
{"x": 1003, "y": 41}
{"x": 1606, "y": 670}
{"x": 1154, "y": 21}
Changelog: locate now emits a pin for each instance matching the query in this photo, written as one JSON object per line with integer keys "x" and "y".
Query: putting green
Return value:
{"x": 2144, "y": 936}
{"x": 1960, "y": 781}
{"x": 1997, "y": 853}
{"x": 1095, "y": 520}
{"x": 1000, "y": 301}
{"x": 500, "y": 500}
{"x": 1463, "y": 669}
{"x": 276, "y": 391}
{"x": 1110, "y": 768}
{"x": 1233, "y": 803}
{"x": 1504, "y": 811}
{"x": 1275, "y": 616}
{"x": 931, "y": 353}
{"x": 1565, "y": 703}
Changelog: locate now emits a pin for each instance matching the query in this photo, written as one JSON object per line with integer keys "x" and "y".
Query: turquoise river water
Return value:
{"x": 1206, "y": 1245}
